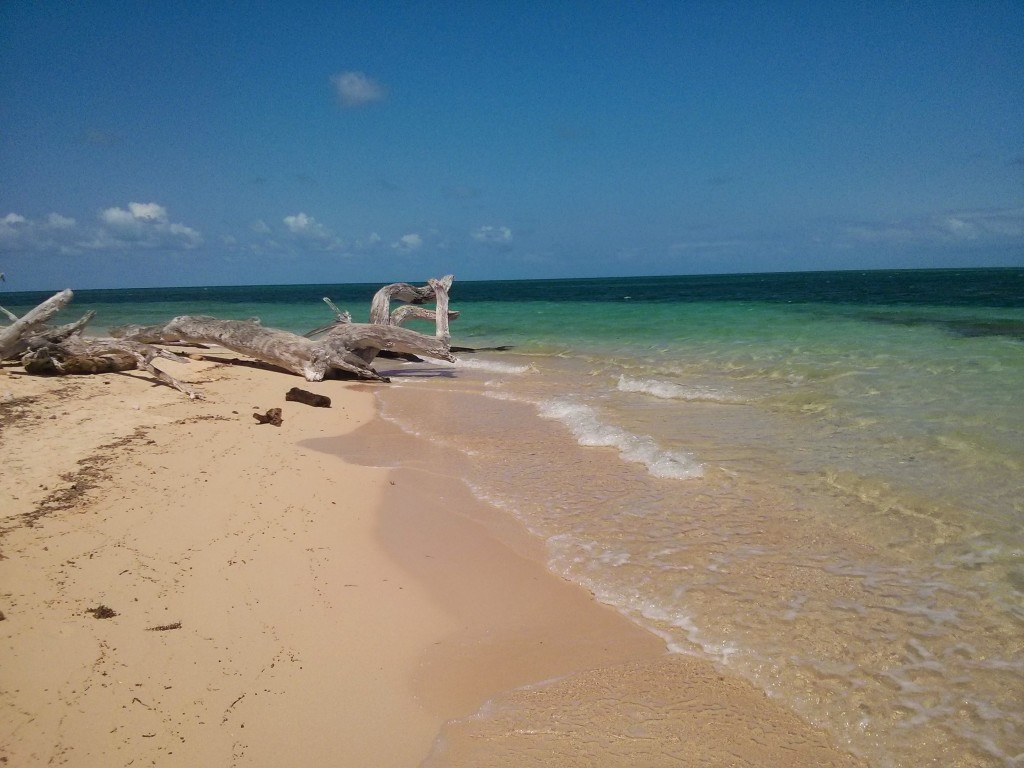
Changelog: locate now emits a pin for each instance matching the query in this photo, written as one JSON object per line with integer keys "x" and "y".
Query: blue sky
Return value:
{"x": 185, "y": 143}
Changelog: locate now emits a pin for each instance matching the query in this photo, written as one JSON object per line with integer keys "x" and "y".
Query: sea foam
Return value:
{"x": 668, "y": 390}
{"x": 493, "y": 366}
{"x": 589, "y": 430}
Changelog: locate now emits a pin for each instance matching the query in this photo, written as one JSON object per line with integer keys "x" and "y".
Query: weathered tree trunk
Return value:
{"x": 346, "y": 347}
{"x": 76, "y": 355}
{"x": 12, "y": 337}
{"x": 380, "y": 308}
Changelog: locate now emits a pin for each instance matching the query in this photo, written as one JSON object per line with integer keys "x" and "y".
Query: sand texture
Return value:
{"x": 182, "y": 586}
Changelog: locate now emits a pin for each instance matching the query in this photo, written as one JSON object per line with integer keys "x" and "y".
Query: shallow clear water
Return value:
{"x": 816, "y": 480}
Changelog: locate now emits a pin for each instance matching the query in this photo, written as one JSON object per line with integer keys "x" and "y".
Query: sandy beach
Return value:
{"x": 181, "y": 585}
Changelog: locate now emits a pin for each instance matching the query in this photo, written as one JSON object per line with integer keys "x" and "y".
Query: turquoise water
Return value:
{"x": 814, "y": 480}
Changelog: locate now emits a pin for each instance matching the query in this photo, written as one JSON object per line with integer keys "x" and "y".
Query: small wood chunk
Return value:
{"x": 273, "y": 416}
{"x": 308, "y": 398}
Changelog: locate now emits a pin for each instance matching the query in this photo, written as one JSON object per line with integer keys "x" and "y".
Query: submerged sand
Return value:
{"x": 183, "y": 586}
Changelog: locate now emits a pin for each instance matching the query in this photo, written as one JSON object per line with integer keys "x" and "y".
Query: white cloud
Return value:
{"x": 118, "y": 218}
{"x": 142, "y": 225}
{"x": 53, "y": 233}
{"x": 493, "y": 235}
{"x": 301, "y": 224}
{"x": 148, "y": 211}
{"x": 972, "y": 225}
{"x": 312, "y": 232}
{"x": 408, "y": 243}
{"x": 11, "y": 231}
{"x": 368, "y": 243}
{"x": 355, "y": 89}
{"x": 977, "y": 226}
{"x": 260, "y": 227}
{"x": 138, "y": 226}
{"x": 56, "y": 221}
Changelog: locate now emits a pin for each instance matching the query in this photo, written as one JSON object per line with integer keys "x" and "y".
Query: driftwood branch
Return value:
{"x": 76, "y": 355}
{"x": 147, "y": 334}
{"x": 12, "y": 336}
{"x": 340, "y": 318}
{"x": 414, "y": 312}
{"x": 57, "y": 335}
{"x": 380, "y": 308}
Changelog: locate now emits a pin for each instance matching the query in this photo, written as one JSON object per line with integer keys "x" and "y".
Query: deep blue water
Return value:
{"x": 941, "y": 287}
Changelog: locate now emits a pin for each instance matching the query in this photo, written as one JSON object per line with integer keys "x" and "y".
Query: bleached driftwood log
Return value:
{"x": 12, "y": 337}
{"x": 75, "y": 355}
{"x": 345, "y": 347}
{"x": 348, "y": 347}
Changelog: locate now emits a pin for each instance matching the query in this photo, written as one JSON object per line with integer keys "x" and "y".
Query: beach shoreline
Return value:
{"x": 313, "y": 591}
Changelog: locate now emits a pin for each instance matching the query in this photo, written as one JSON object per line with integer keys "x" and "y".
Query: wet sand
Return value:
{"x": 183, "y": 586}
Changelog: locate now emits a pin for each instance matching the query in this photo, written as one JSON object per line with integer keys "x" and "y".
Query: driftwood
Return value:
{"x": 76, "y": 355}
{"x": 273, "y": 416}
{"x": 307, "y": 398}
{"x": 147, "y": 334}
{"x": 346, "y": 348}
{"x": 380, "y": 307}
{"x": 61, "y": 351}
{"x": 12, "y": 337}
{"x": 57, "y": 335}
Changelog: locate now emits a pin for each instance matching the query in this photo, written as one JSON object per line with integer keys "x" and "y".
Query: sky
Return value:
{"x": 186, "y": 143}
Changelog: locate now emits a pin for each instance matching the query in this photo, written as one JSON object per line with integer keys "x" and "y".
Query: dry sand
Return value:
{"x": 275, "y": 605}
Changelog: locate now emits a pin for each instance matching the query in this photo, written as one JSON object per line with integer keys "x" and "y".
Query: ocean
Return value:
{"x": 814, "y": 480}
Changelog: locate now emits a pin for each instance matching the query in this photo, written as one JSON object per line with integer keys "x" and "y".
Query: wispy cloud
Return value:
{"x": 312, "y": 232}
{"x": 991, "y": 226}
{"x": 19, "y": 233}
{"x": 494, "y": 236}
{"x": 307, "y": 226}
{"x": 56, "y": 221}
{"x": 139, "y": 226}
{"x": 408, "y": 243}
{"x": 355, "y": 89}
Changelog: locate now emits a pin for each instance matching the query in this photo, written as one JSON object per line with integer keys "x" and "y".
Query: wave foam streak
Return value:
{"x": 584, "y": 423}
